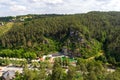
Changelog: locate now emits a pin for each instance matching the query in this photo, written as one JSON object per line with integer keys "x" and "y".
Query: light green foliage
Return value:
{"x": 5, "y": 28}
{"x": 30, "y": 55}
{"x": 113, "y": 76}
{"x": 4, "y": 62}
{"x": 18, "y": 53}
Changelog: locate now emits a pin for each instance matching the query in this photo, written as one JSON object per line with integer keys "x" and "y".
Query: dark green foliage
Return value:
{"x": 101, "y": 58}
{"x": 83, "y": 35}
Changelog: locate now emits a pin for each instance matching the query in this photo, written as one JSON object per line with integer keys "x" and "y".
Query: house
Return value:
{"x": 22, "y": 19}
{"x": 13, "y": 19}
{"x": 8, "y": 75}
{"x": 51, "y": 57}
{"x": 1, "y": 23}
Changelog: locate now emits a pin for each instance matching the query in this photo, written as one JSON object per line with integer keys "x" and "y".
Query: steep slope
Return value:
{"x": 81, "y": 35}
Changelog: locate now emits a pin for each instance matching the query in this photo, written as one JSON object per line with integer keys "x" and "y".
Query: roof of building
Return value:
{"x": 56, "y": 54}
{"x": 8, "y": 75}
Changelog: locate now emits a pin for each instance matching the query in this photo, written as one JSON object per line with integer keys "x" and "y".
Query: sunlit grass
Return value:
{"x": 5, "y": 28}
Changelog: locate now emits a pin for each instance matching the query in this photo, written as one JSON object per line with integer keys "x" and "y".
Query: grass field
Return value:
{"x": 5, "y": 28}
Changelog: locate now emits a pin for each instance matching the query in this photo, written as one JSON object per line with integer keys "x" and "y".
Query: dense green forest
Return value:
{"x": 91, "y": 39}
{"x": 81, "y": 35}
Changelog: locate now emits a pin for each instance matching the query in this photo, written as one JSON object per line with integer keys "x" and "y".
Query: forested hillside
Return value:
{"x": 79, "y": 35}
